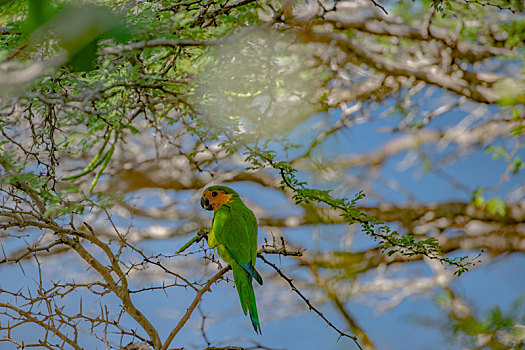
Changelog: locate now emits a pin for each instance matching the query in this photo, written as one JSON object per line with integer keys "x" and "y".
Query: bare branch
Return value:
{"x": 191, "y": 308}
{"x": 310, "y": 306}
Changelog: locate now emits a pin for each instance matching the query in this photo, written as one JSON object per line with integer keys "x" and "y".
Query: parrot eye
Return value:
{"x": 214, "y": 194}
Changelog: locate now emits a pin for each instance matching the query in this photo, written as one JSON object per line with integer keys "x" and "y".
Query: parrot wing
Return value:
{"x": 235, "y": 227}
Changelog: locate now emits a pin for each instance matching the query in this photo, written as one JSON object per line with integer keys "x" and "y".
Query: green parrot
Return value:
{"x": 233, "y": 234}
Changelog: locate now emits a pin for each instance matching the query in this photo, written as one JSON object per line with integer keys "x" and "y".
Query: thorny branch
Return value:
{"x": 310, "y": 306}
{"x": 193, "y": 305}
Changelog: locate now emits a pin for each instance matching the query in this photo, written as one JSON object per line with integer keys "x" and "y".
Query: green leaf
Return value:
{"x": 498, "y": 151}
{"x": 518, "y": 130}
{"x": 39, "y": 12}
{"x": 478, "y": 199}
{"x": 516, "y": 115}
{"x": 84, "y": 59}
{"x": 133, "y": 129}
{"x": 496, "y": 206}
{"x": 516, "y": 165}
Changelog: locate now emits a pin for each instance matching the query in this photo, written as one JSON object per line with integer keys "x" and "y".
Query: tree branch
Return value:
{"x": 191, "y": 308}
{"x": 310, "y": 306}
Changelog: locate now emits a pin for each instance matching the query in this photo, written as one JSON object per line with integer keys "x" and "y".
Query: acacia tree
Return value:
{"x": 115, "y": 116}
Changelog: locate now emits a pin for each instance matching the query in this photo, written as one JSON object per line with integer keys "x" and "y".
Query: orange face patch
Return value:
{"x": 217, "y": 198}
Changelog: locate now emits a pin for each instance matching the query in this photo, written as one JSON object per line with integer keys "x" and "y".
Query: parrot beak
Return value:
{"x": 205, "y": 203}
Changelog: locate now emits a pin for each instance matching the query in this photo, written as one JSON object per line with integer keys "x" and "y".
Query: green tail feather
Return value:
{"x": 243, "y": 282}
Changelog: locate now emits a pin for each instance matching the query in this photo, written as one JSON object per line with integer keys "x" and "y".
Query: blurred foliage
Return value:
{"x": 260, "y": 81}
{"x": 491, "y": 329}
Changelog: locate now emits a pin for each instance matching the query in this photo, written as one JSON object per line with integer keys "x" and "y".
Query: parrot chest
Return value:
{"x": 218, "y": 247}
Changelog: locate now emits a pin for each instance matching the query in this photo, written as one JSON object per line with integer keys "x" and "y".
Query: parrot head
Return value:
{"x": 215, "y": 196}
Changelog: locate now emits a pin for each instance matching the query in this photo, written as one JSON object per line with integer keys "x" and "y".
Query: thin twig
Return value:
{"x": 376, "y": 4}
{"x": 193, "y": 305}
{"x": 310, "y": 306}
